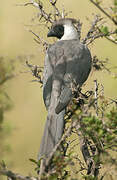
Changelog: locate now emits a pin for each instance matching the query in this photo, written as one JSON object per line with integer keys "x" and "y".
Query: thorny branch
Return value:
{"x": 36, "y": 70}
{"x": 99, "y": 65}
{"x": 102, "y": 10}
{"x": 92, "y": 166}
{"x": 41, "y": 41}
{"x": 96, "y": 96}
{"x": 95, "y": 32}
{"x": 57, "y": 12}
{"x": 93, "y": 28}
{"x": 112, "y": 18}
{"x": 93, "y": 37}
{"x": 110, "y": 38}
{"x": 48, "y": 17}
{"x": 11, "y": 175}
{"x": 43, "y": 13}
{"x": 67, "y": 133}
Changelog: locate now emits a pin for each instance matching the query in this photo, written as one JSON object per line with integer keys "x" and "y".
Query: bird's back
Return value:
{"x": 76, "y": 56}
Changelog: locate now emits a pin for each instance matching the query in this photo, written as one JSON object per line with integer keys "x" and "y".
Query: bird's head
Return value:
{"x": 64, "y": 29}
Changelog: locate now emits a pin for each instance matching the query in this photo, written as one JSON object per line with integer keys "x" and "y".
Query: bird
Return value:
{"x": 66, "y": 60}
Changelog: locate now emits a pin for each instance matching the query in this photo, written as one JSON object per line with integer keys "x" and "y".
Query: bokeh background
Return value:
{"x": 26, "y": 119}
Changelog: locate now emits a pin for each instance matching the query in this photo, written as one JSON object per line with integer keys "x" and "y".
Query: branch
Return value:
{"x": 46, "y": 164}
{"x": 93, "y": 37}
{"x": 67, "y": 133}
{"x": 53, "y": 2}
{"x": 92, "y": 167}
{"x": 111, "y": 39}
{"x": 102, "y": 10}
{"x": 96, "y": 96}
{"x": 95, "y": 32}
{"x": 93, "y": 28}
{"x": 36, "y": 70}
{"x": 57, "y": 12}
{"x": 43, "y": 13}
{"x": 13, "y": 176}
{"x": 99, "y": 65}
{"x": 41, "y": 41}
{"x": 39, "y": 5}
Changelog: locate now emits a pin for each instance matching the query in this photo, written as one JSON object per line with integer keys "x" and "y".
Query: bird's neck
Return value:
{"x": 70, "y": 32}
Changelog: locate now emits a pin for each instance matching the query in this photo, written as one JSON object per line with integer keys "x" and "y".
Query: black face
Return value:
{"x": 56, "y": 31}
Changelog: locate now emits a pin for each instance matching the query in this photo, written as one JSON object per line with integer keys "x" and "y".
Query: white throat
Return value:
{"x": 70, "y": 32}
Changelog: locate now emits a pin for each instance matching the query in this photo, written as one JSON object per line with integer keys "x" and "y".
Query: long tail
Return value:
{"x": 52, "y": 133}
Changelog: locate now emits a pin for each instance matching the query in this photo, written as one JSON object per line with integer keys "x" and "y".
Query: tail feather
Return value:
{"x": 52, "y": 133}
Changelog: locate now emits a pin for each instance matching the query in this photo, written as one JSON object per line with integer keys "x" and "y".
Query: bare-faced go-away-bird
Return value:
{"x": 66, "y": 60}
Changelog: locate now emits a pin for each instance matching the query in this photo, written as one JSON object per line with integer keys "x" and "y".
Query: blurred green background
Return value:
{"x": 27, "y": 117}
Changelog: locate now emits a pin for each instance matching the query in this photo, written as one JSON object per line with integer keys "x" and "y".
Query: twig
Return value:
{"x": 92, "y": 167}
{"x": 53, "y": 2}
{"x": 102, "y": 10}
{"x": 92, "y": 29}
{"x": 96, "y": 96}
{"x": 12, "y": 176}
{"x": 112, "y": 101}
{"x": 111, "y": 39}
{"x": 43, "y": 13}
{"x": 35, "y": 71}
{"x": 47, "y": 161}
{"x": 42, "y": 169}
{"x": 44, "y": 43}
{"x": 26, "y": 4}
{"x": 57, "y": 12}
{"x": 39, "y": 5}
{"x": 100, "y": 64}
{"x": 95, "y": 33}
{"x": 93, "y": 37}
{"x": 85, "y": 149}
{"x": 67, "y": 133}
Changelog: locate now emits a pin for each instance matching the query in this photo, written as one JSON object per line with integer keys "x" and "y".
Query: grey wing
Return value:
{"x": 54, "y": 69}
{"x": 78, "y": 67}
{"x": 47, "y": 81}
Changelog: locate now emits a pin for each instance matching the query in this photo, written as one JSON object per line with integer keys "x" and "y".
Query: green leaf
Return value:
{"x": 105, "y": 30}
{"x": 33, "y": 160}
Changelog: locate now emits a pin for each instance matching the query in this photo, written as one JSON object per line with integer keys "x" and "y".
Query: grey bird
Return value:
{"x": 66, "y": 60}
